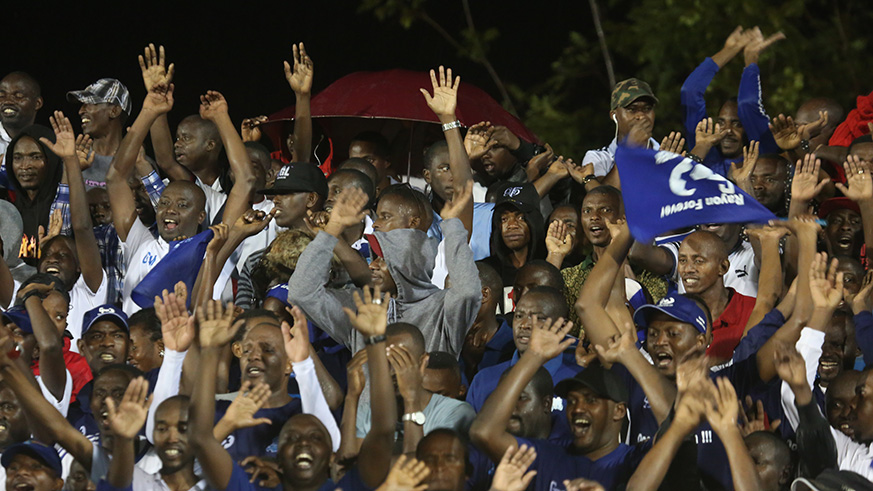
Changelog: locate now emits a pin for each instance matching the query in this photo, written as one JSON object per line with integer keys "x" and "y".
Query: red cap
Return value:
{"x": 834, "y": 204}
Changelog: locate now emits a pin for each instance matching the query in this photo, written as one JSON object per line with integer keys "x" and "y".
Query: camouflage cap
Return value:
{"x": 627, "y": 91}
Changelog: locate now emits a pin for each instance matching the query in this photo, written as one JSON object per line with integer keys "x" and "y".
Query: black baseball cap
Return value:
{"x": 523, "y": 196}
{"x": 298, "y": 177}
{"x": 604, "y": 382}
{"x": 831, "y": 480}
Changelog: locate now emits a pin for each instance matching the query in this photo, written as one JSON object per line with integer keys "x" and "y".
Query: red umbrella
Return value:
{"x": 392, "y": 95}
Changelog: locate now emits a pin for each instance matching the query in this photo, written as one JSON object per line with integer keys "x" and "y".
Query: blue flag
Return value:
{"x": 664, "y": 191}
{"x": 181, "y": 263}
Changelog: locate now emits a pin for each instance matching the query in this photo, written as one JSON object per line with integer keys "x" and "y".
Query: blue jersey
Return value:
{"x": 260, "y": 440}
{"x": 555, "y": 463}
{"x": 484, "y": 383}
{"x": 497, "y": 350}
{"x": 351, "y": 481}
{"x": 79, "y": 414}
{"x": 480, "y": 241}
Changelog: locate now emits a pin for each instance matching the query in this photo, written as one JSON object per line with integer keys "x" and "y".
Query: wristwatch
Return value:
{"x": 416, "y": 417}
{"x": 588, "y": 178}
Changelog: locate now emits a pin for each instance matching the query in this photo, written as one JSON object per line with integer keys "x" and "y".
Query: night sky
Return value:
{"x": 238, "y": 48}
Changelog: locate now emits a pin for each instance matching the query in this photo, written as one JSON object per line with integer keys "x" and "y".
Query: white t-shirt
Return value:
{"x": 742, "y": 275}
{"x": 604, "y": 159}
{"x": 258, "y": 241}
{"x": 62, "y": 405}
{"x": 215, "y": 198}
{"x": 5, "y": 140}
{"x": 142, "y": 251}
{"x": 82, "y": 299}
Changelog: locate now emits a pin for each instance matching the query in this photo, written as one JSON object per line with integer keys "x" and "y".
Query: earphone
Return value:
{"x": 614, "y": 119}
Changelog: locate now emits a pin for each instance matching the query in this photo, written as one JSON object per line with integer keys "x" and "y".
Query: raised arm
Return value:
{"x": 158, "y": 101}
{"x": 52, "y": 367}
{"x": 216, "y": 330}
{"x": 488, "y": 431}
{"x": 83, "y": 230}
{"x": 770, "y": 276}
{"x": 155, "y": 72}
{"x": 444, "y": 103}
{"x": 350, "y": 445}
{"x": 7, "y": 283}
{"x": 371, "y": 320}
{"x": 860, "y": 190}
{"x": 213, "y": 107}
{"x": 721, "y": 412}
{"x": 39, "y": 411}
{"x": 654, "y": 259}
{"x": 126, "y": 420}
{"x": 300, "y": 80}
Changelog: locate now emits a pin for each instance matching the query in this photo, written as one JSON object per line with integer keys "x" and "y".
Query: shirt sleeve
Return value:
{"x": 758, "y": 335}
{"x": 62, "y": 405}
{"x": 312, "y": 399}
{"x": 809, "y": 347}
{"x": 692, "y": 98}
{"x": 167, "y": 385}
{"x": 750, "y": 109}
{"x": 600, "y": 159}
{"x": 62, "y": 202}
{"x": 864, "y": 335}
{"x": 815, "y": 441}
{"x": 463, "y": 299}
{"x": 154, "y": 187}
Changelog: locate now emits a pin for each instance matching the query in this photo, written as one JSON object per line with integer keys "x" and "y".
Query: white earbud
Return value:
{"x": 614, "y": 119}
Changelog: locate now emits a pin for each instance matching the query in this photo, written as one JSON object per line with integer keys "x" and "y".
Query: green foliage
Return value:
{"x": 662, "y": 41}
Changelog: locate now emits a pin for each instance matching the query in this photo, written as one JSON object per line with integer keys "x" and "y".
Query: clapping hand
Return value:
{"x": 56, "y": 223}
{"x": 216, "y": 324}
{"x": 85, "y": 152}
{"x": 790, "y": 366}
{"x": 863, "y": 300}
{"x": 212, "y": 105}
{"x": 251, "y": 398}
{"x": 754, "y": 418}
{"x": 478, "y": 140}
{"x": 300, "y": 78}
{"x": 708, "y": 134}
{"x": 558, "y": 239}
{"x": 130, "y": 415}
{"x": 619, "y": 346}
{"x": 860, "y": 184}
{"x": 742, "y": 175}
{"x": 757, "y": 44}
{"x": 825, "y": 283}
{"x": 348, "y": 210}
{"x": 547, "y": 338}
{"x": 64, "y": 145}
{"x": 407, "y": 474}
{"x": 297, "y": 337}
{"x": 445, "y": 93}
{"x": 250, "y": 130}
{"x": 805, "y": 185}
{"x": 674, "y": 143}
{"x": 723, "y": 408}
{"x": 159, "y": 99}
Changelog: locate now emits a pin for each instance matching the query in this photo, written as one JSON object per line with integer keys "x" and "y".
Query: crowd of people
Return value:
{"x": 233, "y": 313}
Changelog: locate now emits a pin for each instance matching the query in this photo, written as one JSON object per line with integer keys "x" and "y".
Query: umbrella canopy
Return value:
{"x": 390, "y": 102}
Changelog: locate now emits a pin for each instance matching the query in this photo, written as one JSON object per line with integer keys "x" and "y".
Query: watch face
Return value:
{"x": 418, "y": 418}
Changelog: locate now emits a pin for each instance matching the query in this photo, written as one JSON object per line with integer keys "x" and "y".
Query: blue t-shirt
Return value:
{"x": 497, "y": 350}
{"x": 351, "y": 481}
{"x": 480, "y": 241}
{"x": 79, "y": 414}
{"x": 484, "y": 383}
{"x": 555, "y": 463}
{"x": 261, "y": 440}
{"x": 711, "y": 456}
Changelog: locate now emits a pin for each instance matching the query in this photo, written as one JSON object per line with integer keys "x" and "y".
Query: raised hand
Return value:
{"x": 790, "y": 366}
{"x": 219, "y": 238}
{"x": 460, "y": 201}
{"x": 300, "y": 78}
{"x": 64, "y": 145}
{"x": 84, "y": 150}
{"x": 296, "y": 338}
{"x": 505, "y": 138}
{"x": 768, "y": 233}
{"x": 407, "y": 474}
{"x": 825, "y": 283}
{"x": 355, "y": 373}
{"x": 558, "y": 239}
{"x": 252, "y": 222}
{"x": 159, "y": 99}
{"x": 547, "y": 338}
{"x": 478, "y": 140}
{"x": 177, "y": 326}
{"x": 863, "y": 300}
{"x": 618, "y": 229}
{"x": 674, "y": 142}
{"x": 269, "y": 470}
{"x": 742, "y": 176}
{"x": 620, "y": 346}
{"x": 512, "y": 471}
{"x": 539, "y": 163}
{"x": 737, "y": 40}
{"x": 560, "y": 168}
{"x": 56, "y": 223}
{"x": 250, "y": 129}
{"x": 722, "y": 410}
{"x": 251, "y": 398}
{"x": 754, "y": 418}
{"x": 785, "y": 132}
{"x": 813, "y": 129}
{"x": 216, "y": 324}
{"x": 445, "y": 93}
{"x": 212, "y": 105}
{"x": 348, "y": 210}
{"x": 42, "y": 290}
{"x": 154, "y": 70}
{"x": 860, "y": 184}
{"x": 130, "y": 415}
{"x": 758, "y": 43}
{"x": 580, "y": 172}
{"x": 371, "y": 317}
{"x": 708, "y": 134}
{"x": 805, "y": 185}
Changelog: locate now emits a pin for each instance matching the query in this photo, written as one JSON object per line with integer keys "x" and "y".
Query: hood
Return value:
{"x": 35, "y": 212}
{"x": 410, "y": 255}
{"x": 535, "y": 223}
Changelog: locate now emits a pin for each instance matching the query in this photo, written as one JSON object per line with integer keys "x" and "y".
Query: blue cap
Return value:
{"x": 104, "y": 311}
{"x": 40, "y": 451}
{"x": 676, "y": 306}
{"x": 280, "y": 292}
{"x": 19, "y": 317}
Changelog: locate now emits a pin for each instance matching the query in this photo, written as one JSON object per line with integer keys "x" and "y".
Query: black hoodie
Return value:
{"x": 35, "y": 212}
{"x": 522, "y": 198}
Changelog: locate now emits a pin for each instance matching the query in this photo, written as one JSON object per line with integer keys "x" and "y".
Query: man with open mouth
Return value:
{"x": 32, "y": 466}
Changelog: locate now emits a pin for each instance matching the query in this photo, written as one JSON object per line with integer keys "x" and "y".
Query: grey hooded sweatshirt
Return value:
{"x": 443, "y": 316}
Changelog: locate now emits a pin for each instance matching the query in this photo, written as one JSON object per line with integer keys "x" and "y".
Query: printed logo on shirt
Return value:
{"x": 554, "y": 486}
{"x": 149, "y": 259}
{"x": 557, "y": 404}
{"x": 642, "y": 438}
{"x": 704, "y": 436}
{"x": 228, "y": 442}
{"x": 742, "y": 272}
{"x": 29, "y": 247}
{"x": 646, "y": 404}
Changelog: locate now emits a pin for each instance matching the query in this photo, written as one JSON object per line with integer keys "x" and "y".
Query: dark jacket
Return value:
{"x": 35, "y": 212}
